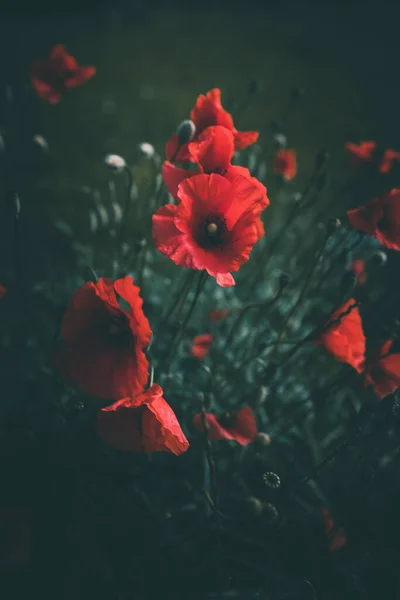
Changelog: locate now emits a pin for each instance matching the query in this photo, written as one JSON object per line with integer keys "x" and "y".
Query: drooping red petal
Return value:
{"x": 242, "y": 427}
{"x": 213, "y": 149}
{"x": 173, "y": 176}
{"x": 201, "y": 345}
{"x": 243, "y": 139}
{"x": 169, "y": 240}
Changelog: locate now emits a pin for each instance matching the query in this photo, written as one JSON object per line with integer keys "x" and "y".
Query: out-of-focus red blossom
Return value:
{"x": 213, "y": 149}
{"x": 380, "y": 219}
{"x": 336, "y": 536}
{"x": 3, "y": 291}
{"x": 285, "y": 163}
{"x": 345, "y": 340}
{"x": 240, "y": 427}
{"x": 358, "y": 267}
{"x": 103, "y": 343}
{"x": 145, "y": 423}
{"x": 364, "y": 152}
{"x": 383, "y": 371}
{"x": 218, "y": 314}
{"x": 52, "y": 76}
{"x": 214, "y": 227}
{"x": 15, "y": 537}
{"x": 201, "y": 345}
{"x": 208, "y": 111}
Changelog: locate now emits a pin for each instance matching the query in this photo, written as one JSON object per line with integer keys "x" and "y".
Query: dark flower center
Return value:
{"x": 212, "y": 233}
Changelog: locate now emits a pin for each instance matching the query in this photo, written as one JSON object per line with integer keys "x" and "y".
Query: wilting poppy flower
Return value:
{"x": 358, "y": 268}
{"x": 218, "y": 314}
{"x": 104, "y": 342}
{"x": 285, "y": 163}
{"x": 52, "y": 76}
{"x": 383, "y": 371}
{"x": 3, "y": 291}
{"x": 14, "y": 537}
{"x": 380, "y": 219}
{"x": 145, "y": 423}
{"x": 337, "y": 536}
{"x": 214, "y": 227}
{"x": 360, "y": 153}
{"x": 201, "y": 345}
{"x": 345, "y": 339}
{"x": 240, "y": 427}
{"x": 208, "y": 111}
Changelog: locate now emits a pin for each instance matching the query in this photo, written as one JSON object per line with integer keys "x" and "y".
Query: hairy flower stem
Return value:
{"x": 124, "y": 220}
{"x": 181, "y": 331}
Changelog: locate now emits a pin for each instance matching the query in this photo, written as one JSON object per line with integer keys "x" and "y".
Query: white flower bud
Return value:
{"x": 147, "y": 149}
{"x": 115, "y": 163}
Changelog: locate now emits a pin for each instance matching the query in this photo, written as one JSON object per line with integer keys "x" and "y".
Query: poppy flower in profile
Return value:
{"x": 358, "y": 268}
{"x": 14, "y": 537}
{"x": 145, "y": 423}
{"x": 343, "y": 336}
{"x": 383, "y": 371}
{"x": 218, "y": 314}
{"x": 208, "y": 111}
{"x": 201, "y": 346}
{"x": 336, "y": 536}
{"x": 104, "y": 341}
{"x": 3, "y": 291}
{"x": 52, "y": 76}
{"x": 285, "y": 163}
{"x": 240, "y": 427}
{"x": 214, "y": 227}
{"x": 380, "y": 219}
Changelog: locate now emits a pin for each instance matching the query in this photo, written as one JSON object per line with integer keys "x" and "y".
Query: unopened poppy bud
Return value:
{"x": 255, "y": 86}
{"x": 321, "y": 158}
{"x": 322, "y": 181}
{"x": 270, "y": 511}
{"x": 186, "y": 131}
{"x": 379, "y": 258}
{"x": 253, "y": 506}
{"x": 40, "y": 141}
{"x": 262, "y": 439}
{"x": 272, "y": 480}
{"x": 115, "y": 163}
{"x": 280, "y": 140}
{"x": 147, "y": 149}
{"x": 284, "y": 280}
{"x": 333, "y": 225}
{"x": 13, "y": 202}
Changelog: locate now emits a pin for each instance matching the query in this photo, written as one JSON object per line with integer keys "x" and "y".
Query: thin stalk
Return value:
{"x": 124, "y": 220}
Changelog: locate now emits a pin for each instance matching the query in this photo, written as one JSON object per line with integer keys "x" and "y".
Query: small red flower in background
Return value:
{"x": 364, "y": 153}
{"x": 143, "y": 424}
{"x": 103, "y": 350}
{"x": 218, "y": 314}
{"x": 345, "y": 340}
{"x": 383, "y": 371}
{"x": 337, "y": 536}
{"x": 201, "y": 345}
{"x": 285, "y": 163}
{"x": 52, "y": 76}
{"x": 380, "y": 219}
{"x": 358, "y": 267}
{"x": 3, "y": 291}
{"x": 240, "y": 427}
{"x": 214, "y": 227}
{"x": 208, "y": 111}
{"x": 14, "y": 537}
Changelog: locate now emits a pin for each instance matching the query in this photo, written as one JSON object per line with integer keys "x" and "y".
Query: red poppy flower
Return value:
{"x": 345, "y": 340}
{"x": 52, "y": 76}
{"x": 201, "y": 346}
{"x": 285, "y": 163}
{"x": 208, "y": 111}
{"x": 14, "y": 537}
{"x": 337, "y": 536}
{"x": 3, "y": 291}
{"x": 214, "y": 227}
{"x": 103, "y": 351}
{"x": 240, "y": 427}
{"x": 358, "y": 267}
{"x": 383, "y": 371}
{"x": 360, "y": 153}
{"x": 389, "y": 157}
{"x": 218, "y": 314}
{"x": 143, "y": 424}
{"x": 380, "y": 219}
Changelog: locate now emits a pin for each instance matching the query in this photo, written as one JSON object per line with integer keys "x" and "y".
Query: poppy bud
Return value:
{"x": 270, "y": 511}
{"x": 255, "y": 86}
{"x": 280, "y": 140}
{"x": 262, "y": 439}
{"x": 284, "y": 280}
{"x": 321, "y": 158}
{"x": 272, "y": 480}
{"x": 115, "y": 163}
{"x": 147, "y": 149}
{"x": 379, "y": 258}
{"x": 40, "y": 141}
{"x": 322, "y": 181}
{"x": 12, "y": 200}
{"x": 186, "y": 131}
{"x": 333, "y": 225}
{"x": 253, "y": 506}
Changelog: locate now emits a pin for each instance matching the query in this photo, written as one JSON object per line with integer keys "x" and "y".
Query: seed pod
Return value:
{"x": 272, "y": 480}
